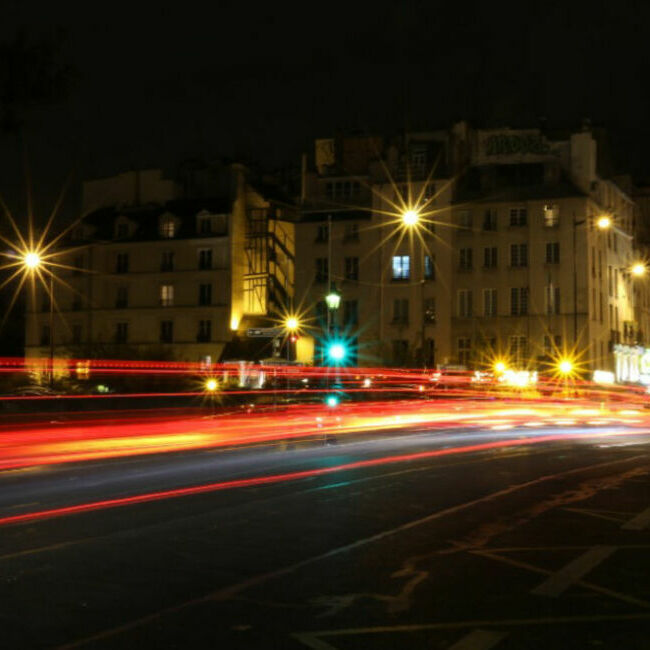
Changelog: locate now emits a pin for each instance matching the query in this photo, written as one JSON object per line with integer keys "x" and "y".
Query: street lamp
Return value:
{"x": 565, "y": 367}
{"x": 410, "y": 217}
{"x": 333, "y": 299}
{"x": 291, "y": 325}
{"x": 602, "y": 223}
{"x": 639, "y": 269}
{"x": 32, "y": 262}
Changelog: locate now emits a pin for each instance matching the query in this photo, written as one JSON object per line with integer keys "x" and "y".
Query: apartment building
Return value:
{"x": 522, "y": 249}
{"x": 156, "y": 274}
{"x": 350, "y": 238}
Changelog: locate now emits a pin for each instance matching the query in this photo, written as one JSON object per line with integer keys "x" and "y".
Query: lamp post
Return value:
{"x": 602, "y": 223}
{"x": 32, "y": 261}
{"x": 291, "y": 325}
{"x": 410, "y": 220}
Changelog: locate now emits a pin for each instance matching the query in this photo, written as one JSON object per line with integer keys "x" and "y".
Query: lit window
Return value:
{"x": 551, "y": 215}
{"x": 552, "y": 299}
{"x": 168, "y": 229}
{"x": 401, "y": 267}
{"x": 167, "y": 295}
{"x": 429, "y": 268}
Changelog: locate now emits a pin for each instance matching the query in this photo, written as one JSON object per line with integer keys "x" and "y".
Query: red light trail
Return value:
{"x": 275, "y": 478}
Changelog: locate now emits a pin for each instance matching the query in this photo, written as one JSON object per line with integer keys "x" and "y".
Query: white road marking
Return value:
{"x": 639, "y": 522}
{"x": 583, "y": 583}
{"x": 598, "y": 514}
{"x": 558, "y": 582}
{"x": 313, "y": 642}
{"x": 479, "y": 640}
{"x": 454, "y": 625}
{"x": 226, "y": 593}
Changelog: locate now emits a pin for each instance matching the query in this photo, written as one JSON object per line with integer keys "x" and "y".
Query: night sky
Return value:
{"x": 156, "y": 83}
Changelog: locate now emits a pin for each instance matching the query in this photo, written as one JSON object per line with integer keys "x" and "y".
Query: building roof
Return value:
{"x": 312, "y": 216}
{"x": 146, "y": 218}
{"x": 561, "y": 190}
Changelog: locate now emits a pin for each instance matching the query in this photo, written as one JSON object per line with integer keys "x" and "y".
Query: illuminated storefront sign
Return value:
{"x": 604, "y": 377}
{"x": 632, "y": 364}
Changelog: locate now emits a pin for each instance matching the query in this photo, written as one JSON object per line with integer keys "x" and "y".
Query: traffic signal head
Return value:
{"x": 336, "y": 351}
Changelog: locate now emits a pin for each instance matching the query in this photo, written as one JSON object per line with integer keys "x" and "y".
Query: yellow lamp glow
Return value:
{"x": 604, "y": 222}
{"x": 565, "y": 367}
{"x": 500, "y": 367}
{"x": 410, "y": 217}
{"x": 291, "y": 323}
{"x": 639, "y": 269}
{"x": 32, "y": 260}
{"x": 211, "y": 385}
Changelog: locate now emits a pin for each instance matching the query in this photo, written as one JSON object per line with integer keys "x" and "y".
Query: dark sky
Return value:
{"x": 157, "y": 83}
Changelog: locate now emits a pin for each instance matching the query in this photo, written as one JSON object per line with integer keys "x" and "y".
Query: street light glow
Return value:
{"x": 639, "y": 269}
{"x": 604, "y": 222}
{"x": 211, "y": 385}
{"x": 333, "y": 299}
{"x": 500, "y": 367}
{"x": 32, "y": 260}
{"x": 291, "y": 323}
{"x": 410, "y": 217}
{"x": 565, "y": 367}
{"x": 337, "y": 351}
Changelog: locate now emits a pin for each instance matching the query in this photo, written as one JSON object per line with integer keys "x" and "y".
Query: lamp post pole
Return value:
{"x": 575, "y": 285}
{"x": 329, "y": 272}
{"x": 51, "y": 330}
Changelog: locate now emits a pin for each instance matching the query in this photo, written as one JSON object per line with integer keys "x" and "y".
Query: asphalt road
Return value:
{"x": 404, "y": 540}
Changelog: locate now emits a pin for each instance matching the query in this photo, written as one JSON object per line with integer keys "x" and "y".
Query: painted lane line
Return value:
{"x": 582, "y": 583}
{"x": 313, "y": 642}
{"x": 479, "y": 640}
{"x": 454, "y": 625}
{"x": 558, "y": 582}
{"x": 640, "y": 522}
{"x": 226, "y": 593}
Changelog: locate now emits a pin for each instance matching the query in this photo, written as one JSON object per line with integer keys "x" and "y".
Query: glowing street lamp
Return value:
{"x": 604, "y": 222}
{"x": 565, "y": 367}
{"x": 211, "y": 385}
{"x": 410, "y": 218}
{"x": 291, "y": 323}
{"x": 500, "y": 367}
{"x": 336, "y": 352}
{"x": 32, "y": 260}
{"x": 333, "y": 299}
{"x": 639, "y": 269}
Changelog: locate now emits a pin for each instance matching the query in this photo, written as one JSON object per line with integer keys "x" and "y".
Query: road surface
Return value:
{"x": 462, "y": 539}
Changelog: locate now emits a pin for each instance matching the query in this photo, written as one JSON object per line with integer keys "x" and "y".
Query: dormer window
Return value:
{"x": 205, "y": 225}
{"x": 168, "y": 229}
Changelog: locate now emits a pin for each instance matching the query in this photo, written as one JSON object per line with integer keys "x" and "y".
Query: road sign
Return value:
{"x": 263, "y": 332}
